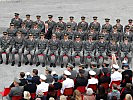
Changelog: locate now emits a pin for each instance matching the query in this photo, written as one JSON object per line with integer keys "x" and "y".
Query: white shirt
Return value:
{"x": 92, "y": 81}
{"x": 116, "y": 76}
{"x": 43, "y": 87}
{"x": 68, "y": 83}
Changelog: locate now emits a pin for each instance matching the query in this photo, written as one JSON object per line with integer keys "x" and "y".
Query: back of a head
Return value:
{"x": 76, "y": 93}
{"x": 51, "y": 98}
{"x": 35, "y": 71}
{"x": 62, "y": 97}
{"x": 22, "y": 74}
{"x": 128, "y": 97}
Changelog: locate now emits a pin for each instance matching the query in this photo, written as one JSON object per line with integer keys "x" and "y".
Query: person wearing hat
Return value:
{"x": 43, "y": 87}
{"x": 107, "y": 25}
{"x": 15, "y": 91}
{"x": 72, "y": 23}
{"x": 126, "y": 50}
{"x": 67, "y": 83}
{"x": 29, "y": 48}
{"x": 116, "y": 75}
{"x": 12, "y": 30}
{"x": 35, "y": 30}
{"x": 94, "y": 67}
{"x": 83, "y": 24}
{"x": 5, "y": 46}
{"x": 119, "y": 26}
{"x": 130, "y": 24}
{"x": 77, "y": 49}
{"x": 16, "y": 21}
{"x": 92, "y": 79}
{"x": 49, "y": 77}
{"x": 65, "y": 49}
{"x": 89, "y": 50}
{"x": 71, "y": 70}
{"x": 82, "y": 67}
{"x": 28, "y": 22}
{"x": 101, "y": 50}
{"x": 95, "y": 25}
{"x": 41, "y": 48}
{"x": 51, "y": 22}
{"x": 61, "y": 23}
{"x": 53, "y": 49}
{"x": 70, "y": 32}
{"x": 40, "y": 22}
{"x": 80, "y": 33}
{"x": 17, "y": 47}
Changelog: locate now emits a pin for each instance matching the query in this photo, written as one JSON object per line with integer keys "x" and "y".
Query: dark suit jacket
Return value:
{"x": 36, "y": 80}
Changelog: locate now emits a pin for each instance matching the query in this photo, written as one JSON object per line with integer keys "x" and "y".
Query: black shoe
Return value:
{"x": 74, "y": 64}
{"x": 38, "y": 63}
{"x": 51, "y": 64}
{"x": 86, "y": 66}
{"x": 1, "y": 61}
{"x": 62, "y": 65}
{"x": 19, "y": 64}
{"x": 54, "y": 65}
{"x": 13, "y": 63}
{"x": 26, "y": 63}
{"x": 7, "y": 62}
{"x": 31, "y": 63}
{"x": 43, "y": 64}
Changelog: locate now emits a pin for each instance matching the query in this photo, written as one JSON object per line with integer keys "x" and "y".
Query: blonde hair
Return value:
{"x": 51, "y": 98}
{"x": 77, "y": 95}
{"x": 128, "y": 97}
{"x": 62, "y": 97}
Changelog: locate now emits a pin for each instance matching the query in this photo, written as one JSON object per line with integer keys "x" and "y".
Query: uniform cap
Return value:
{"x": 60, "y": 18}
{"x": 107, "y": 19}
{"x": 71, "y": 17}
{"x": 114, "y": 27}
{"x": 17, "y": 80}
{"x": 82, "y": 17}
{"x": 77, "y": 36}
{"x": 70, "y": 65}
{"x": 130, "y": 20}
{"x": 127, "y": 27}
{"x": 95, "y": 17}
{"x": 68, "y": 26}
{"x": 65, "y": 34}
{"x": 38, "y": 16}
{"x": 106, "y": 62}
{"x": 82, "y": 65}
{"x": 11, "y": 24}
{"x": 53, "y": 72}
{"x": 50, "y": 16}
{"x": 53, "y": 34}
{"x": 16, "y": 14}
{"x": 43, "y": 77}
{"x": 115, "y": 66}
{"x": 5, "y": 33}
{"x": 27, "y": 73}
{"x": 48, "y": 69}
{"x": 66, "y": 72}
{"x": 91, "y": 72}
{"x": 124, "y": 61}
{"x": 93, "y": 63}
{"x": 118, "y": 20}
{"x": 30, "y": 34}
{"x": 27, "y": 14}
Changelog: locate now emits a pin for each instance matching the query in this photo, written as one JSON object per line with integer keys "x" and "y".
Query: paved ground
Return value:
{"x": 112, "y": 9}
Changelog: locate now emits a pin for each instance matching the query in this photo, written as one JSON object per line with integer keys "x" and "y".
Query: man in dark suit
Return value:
{"x": 35, "y": 78}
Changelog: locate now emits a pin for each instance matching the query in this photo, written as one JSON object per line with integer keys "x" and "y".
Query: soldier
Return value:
{"x": 95, "y": 25}
{"x": 35, "y": 30}
{"x": 107, "y": 25}
{"x": 58, "y": 32}
{"x": 77, "y": 49}
{"x": 119, "y": 26}
{"x": 105, "y": 34}
{"x": 65, "y": 49}
{"x": 89, "y": 50}
{"x": 83, "y": 24}
{"x": 28, "y": 22}
{"x": 72, "y": 23}
{"x": 70, "y": 32}
{"x": 61, "y": 24}
{"x": 41, "y": 48}
{"x": 5, "y": 46}
{"x": 130, "y": 24}
{"x": 29, "y": 48}
{"x": 101, "y": 49}
{"x": 126, "y": 50}
{"x": 80, "y": 33}
{"x": 18, "y": 42}
{"x": 16, "y": 21}
{"x": 12, "y": 30}
{"x": 53, "y": 49}
{"x": 39, "y": 22}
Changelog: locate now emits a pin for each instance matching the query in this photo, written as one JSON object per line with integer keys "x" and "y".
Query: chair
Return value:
{"x": 115, "y": 82}
{"x": 5, "y": 92}
{"x": 16, "y": 97}
{"x": 82, "y": 89}
{"x": 93, "y": 86}
{"x": 68, "y": 91}
{"x": 40, "y": 54}
{"x": 33, "y": 95}
{"x": 77, "y": 56}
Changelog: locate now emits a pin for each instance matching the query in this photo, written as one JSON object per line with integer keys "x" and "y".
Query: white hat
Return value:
{"x": 27, "y": 73}
{"x": 89, "y": 91}
{"x": 43, "y": 77}
{"x": 124, "y": 61}
{"x": 53, "y": 72}
{"x": 91, "y": 72}
{"x": 27, "y": 95}
{"x": 66, "y": 72}
{"x": 115, "y": 66}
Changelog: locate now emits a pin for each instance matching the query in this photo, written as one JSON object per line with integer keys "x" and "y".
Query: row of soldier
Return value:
{"x": 88, "y": 50}
{"x": 71, "y": 27}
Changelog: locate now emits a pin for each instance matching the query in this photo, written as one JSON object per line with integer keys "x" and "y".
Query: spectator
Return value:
{"x": 77, "y": 95}
{"x": 101, "y": 93}
{"x": 43, "y": 87}
{"x": 35, "y": 78}
{"x": 27, "y": 95}
{"x": 40, "y": 96}
{"x": 82, "y": 66}
{"x": 57, "y": 85}
{"x": 89, "y": 95}
{"x": 51, "y": 98}
{"x": 15, "y": 91}
{"x": 62, "y": 97}
{"x": 114, "y": 94}
{"x": 128, "y": 97}
{"x": 48, "y": 75}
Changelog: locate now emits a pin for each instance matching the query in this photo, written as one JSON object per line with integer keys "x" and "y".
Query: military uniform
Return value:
{"x": 53, "y": 48}
{"x": 130, "y": 25}
{"x": 51, "y": 23}
{"x": 11, "y": 31}
{"x": 61, "y": 24}
{"x": 17, "y": 21}
{"x": 28, "y": 22}
{"x": 119, "y": 26}
{"x": 107, "y": 26}
{"x": 41, "y": 48}
{"x": 59, "y": 33}
{"x": 40, "y": 23}
{"x": 77, "y": 49}
{"x": 83, "y": 24}
{"x": 24, "y": 31}
{"x": 5, "y": 46}
{"x": 80, "y": 33}
{"x": 29, "y": 48}
{"x": 18, "y": 43}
